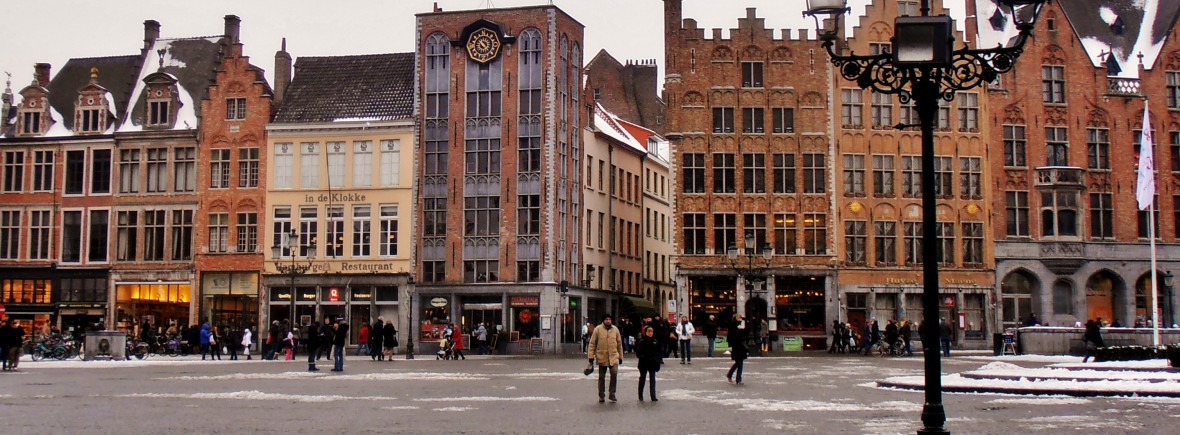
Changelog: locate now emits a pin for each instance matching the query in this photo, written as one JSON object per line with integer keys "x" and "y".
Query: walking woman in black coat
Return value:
{"x": 737, "y": 348}
{"x": 650, "y": 359}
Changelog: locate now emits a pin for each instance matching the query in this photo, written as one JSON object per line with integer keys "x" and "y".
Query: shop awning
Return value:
{"x": 638, "y": 306}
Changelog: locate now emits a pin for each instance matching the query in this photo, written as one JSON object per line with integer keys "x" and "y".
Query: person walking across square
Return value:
{"x": 606, "y": 349}
{"x": 684, "y": 332}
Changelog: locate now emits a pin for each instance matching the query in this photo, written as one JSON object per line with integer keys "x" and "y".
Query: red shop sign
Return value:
{"x": 948, "y": 301}
{"x": 334, "y": 294}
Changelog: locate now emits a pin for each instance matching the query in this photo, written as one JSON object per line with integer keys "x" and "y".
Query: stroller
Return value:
{"x": 446, "y": 349}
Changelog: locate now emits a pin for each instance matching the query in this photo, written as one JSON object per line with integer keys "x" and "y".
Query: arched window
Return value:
{"x": 1020, "y": 292}
{"x": 532, "y": 82}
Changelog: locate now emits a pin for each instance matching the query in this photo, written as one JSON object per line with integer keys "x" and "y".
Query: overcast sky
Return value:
{"x": 54, "y": 31}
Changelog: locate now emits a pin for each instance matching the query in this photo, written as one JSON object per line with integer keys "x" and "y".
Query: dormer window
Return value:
{"x": 90, "y": 120}
{"x": 158, "y": 112}
{"x": 235, "y": 108}
{"x": 31, "y": 123}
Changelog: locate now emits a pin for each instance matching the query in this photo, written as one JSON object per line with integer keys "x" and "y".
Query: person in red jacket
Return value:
{"x": 457, "y": 336}
{"x": 363, "y": 339}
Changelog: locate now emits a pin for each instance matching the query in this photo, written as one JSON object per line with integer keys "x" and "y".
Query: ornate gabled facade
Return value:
{"x": 748, "y": 122}
{"x": 1071, "y": 244}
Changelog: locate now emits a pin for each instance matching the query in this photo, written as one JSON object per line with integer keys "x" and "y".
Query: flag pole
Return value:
{"x": 1145, "y": 196}
{"x": 1155, "y": 300}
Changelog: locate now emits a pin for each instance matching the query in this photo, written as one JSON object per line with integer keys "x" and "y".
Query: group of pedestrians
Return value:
{"x": 605, "y": 348}
{"x": 12, "y": 341}
{"x": 327, "y": 338}
{"x": 379, "y": 342}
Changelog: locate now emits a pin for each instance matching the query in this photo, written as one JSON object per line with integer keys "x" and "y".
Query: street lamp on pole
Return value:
{"x": 922, "y": 67}
{"x": 295, "y": 268}
{"x": 749, "y": 270}
{"x": 1169, "y": 285}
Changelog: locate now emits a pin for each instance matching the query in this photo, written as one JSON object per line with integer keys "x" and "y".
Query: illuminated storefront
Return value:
{"x": 160, "y": 303}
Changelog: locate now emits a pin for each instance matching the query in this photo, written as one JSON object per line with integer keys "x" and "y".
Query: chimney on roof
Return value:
{"x": 282, "y": 72}
{"x": 151, "y": 32}
{"x": 233, "y": 28}
{"x": 436, "y": 8}
{"x": 41, "y": 74}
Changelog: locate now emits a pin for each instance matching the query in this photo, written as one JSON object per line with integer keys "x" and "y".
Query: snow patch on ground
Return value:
{"x": 488, "y": 399}
{"x": 456, "y": 408}
{"x": 400, "y": 408}
{"x": 245, "y": 376}
{"x": 1081, "y": 422}
{"x": 253, "y": 395}
{"x": 1048, "y": 400}
{"x": 1026, "y": 358}
{"x": 783, "y": 425}
{"x": 409, "y": 376}
{"x": 763, "y": 405}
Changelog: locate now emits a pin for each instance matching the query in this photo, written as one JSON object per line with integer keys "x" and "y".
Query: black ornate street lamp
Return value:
{"x": 922, "y": 67}
{"x": 749, "y": 270}
{"x": 413, "y": 327}
{"x": 1169, "y": 285}
{"x": 295, "y": 268}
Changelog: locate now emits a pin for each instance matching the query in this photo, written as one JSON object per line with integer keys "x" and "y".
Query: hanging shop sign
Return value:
{"x": 438, "y": 302}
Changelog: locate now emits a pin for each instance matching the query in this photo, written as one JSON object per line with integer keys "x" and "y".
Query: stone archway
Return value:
{"x": 1021, "y": 292}
{"x": 1106, "y": 296}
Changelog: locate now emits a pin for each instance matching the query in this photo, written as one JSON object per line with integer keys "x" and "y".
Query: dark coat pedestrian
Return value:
{"x": 738, "y": 351}
{"x": 389, "y": 337}
{"x": 313, "y": 346}
{"x": 339, "y": 339}
{"x": 204, "y": 340}
{"x": 647, "y": 351}
{"x": 1093, "y": 339}
{"x": 376, "y": 340}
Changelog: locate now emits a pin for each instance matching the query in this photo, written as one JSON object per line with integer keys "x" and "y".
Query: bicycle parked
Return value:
{"x": 137, "y": 349}
{"x": 55, "y": 347}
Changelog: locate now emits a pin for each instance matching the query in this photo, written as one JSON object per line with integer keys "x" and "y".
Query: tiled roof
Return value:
{"x": 116, "y": 73}
{"x": 342, "y": 88}
{"x": 193, "y": 62}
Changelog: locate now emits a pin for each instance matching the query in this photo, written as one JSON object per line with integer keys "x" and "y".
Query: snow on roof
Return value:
{"x": 609, "y": 124}
{"x": 187, "y": 61}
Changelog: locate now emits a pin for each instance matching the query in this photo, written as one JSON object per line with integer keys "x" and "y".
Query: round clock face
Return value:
{"x": 483, "y": 45}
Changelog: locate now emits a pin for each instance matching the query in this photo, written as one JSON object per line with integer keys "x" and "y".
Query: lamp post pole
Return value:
{"x": 294, "y": 269}
{"x": 412, "y": 327}
{"x": 923, "y": 67}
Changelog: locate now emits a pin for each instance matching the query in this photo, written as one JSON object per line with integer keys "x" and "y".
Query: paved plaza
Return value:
{"x": 811, "y": 393}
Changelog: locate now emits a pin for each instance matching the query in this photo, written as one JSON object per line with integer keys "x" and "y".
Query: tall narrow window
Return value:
{"x": 40, "y": 231}
{"x": 1056, "y": 146}
{"x": 90, "y": 120}
{"x": 434, "y": 217}
{"x": 755, "y": 225}
{"x": 129, "y": 171}
{"x": 158, "y": 113}
{"x": 75, "y": 172}
{"x": 786, "y": 234}
{"x": 481, "y": 216}
{"x": 693, "y": 168}
{"x": 911, "y": 176}
{"x": 724, "y": 232}
{"x": 391, "y": 162}
{"x": 1173, "y": 89}
{"x": 1014, "y": 146}
{"x": 218, "y": 232}
{"x": 247, "y": 232}
{"x": 885, "y": 242}
{"x": 126, "y": 235}
{"x": 1144, "y": 231}
{"x": 157, "y": 170}
{"x": 852, "y": 108}
{"x": 43, "y": 171}
{"x": 10, "y": 234}
{"x": 1175, "y": 145}
{"x": 943, "y": 177}
{"x": 883, "y": 170}
{"x": 971, "y": 177}
{"x": 1098, "y": 148}
{"x": 14, "y": 171}
{"x": 1053, "y": 84}
{"x": 694, "y": 233}
{"x": 1016, "y": 213}
{"x": 335, "y": 246}
{"x": 531, "y": 91}
{"x": 944, "y": 115}
{"x": 528, "y": 210}
{"x": 722, "y": 120}
{"x": 284, "y": 168}
{"x": 185, "y": 170}
{"x": 335, "y": 164}
{"x": 815, "y": 234}
{"x": 31, "y": 122}
{"x": 362, "y": 230}
{"x": 436, "y": 130}
{"x": 98, "y": 236}
{"x": 754, "y": 173}
{"x": 309, "y": 231}
{"x": 182, "y": 234}
{"x": 1101, "y": 215}
{"x": 282, "y": 227}
{"x": 71, "y": 237}
{"x": 219, "y": 168}
{"x": 723, "y": 173}
{"x": 248, "y": 167}
{"x": 945, "y": 233}
{"x": 235, "y": 108}
{"x": 881, "y": 113}
{"x": 907, "y": 7}
{"x": 854, "y": 175}
{"x": 1059, "y": 214}
{"x": 814, "y": 178}
{"x": 854, "y": 242}
{"x": 913, "y": 243}
{"x": 784, "y": 173}
{"x": 753, "y": 120}
{"x": 153, "y": 235}
{"x": 972, "y": 243}
{"x": 782, "y": 120}
{"x": 751, "y": 74}
{"x": 968, "y": 111}
{"x": 362, "y": 163}
{"x": 309, "y": 165}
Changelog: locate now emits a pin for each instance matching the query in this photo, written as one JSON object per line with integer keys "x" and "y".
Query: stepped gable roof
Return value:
{"x": 115, "y": 73}
{"x": 369, "y": 87}
{"x": 193, "y": 63}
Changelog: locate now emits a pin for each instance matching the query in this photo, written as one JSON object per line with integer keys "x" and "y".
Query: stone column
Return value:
{"x": 740, "y": 296}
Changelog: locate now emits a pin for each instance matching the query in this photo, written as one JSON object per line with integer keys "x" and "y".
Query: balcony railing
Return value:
{"x": 1061, "y": 176}
{"x": 1123, "y": 87}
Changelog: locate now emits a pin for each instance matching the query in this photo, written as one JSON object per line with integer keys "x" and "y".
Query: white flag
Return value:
{"x": 1145, "y": 192}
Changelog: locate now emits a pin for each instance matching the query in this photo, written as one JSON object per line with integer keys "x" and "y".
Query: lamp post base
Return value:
{"x": 410, "y": 349}
{"x": 933, "y": 418}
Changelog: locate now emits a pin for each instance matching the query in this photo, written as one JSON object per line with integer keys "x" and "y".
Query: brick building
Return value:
{"x": 1071, "y": 244}
{"x": 499, "y": 219}
{"x": 748, "y": 121}
{"x": 628, "y": 91}
{"x": 231, "y": 190}
{"x": 879, "y": 206}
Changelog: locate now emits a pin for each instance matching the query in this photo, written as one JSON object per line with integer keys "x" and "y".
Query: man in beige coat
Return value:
{"x": 606, "y": 346}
